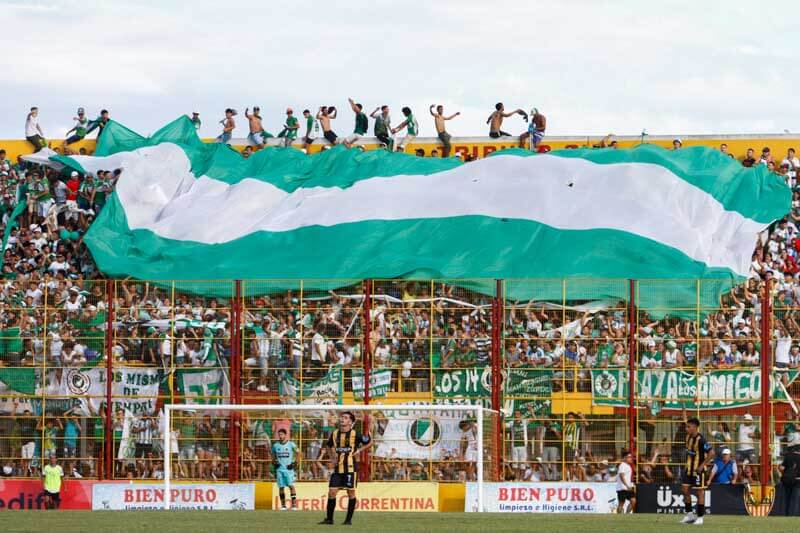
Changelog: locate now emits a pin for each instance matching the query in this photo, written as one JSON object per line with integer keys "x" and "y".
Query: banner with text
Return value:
{"x": 675, "y": 389}
{"x": 326, "y": 390}
{"x": 405, "y": 496}
{"x": 28, "y": 494}
{"x": 528, "y": 391}
{"x": 668, "y": 499}
{"x": 566, "y": 497}
{"x": 463, "y": 382}
{"x": 207, "y": 497}
{"x": 380, "y": 381}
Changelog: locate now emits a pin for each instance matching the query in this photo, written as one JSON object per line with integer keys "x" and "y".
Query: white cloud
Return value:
{"x": 592, "y": 67}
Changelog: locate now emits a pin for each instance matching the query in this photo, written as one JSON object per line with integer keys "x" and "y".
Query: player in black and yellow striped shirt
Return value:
{"x": 343, "y": 447}
{"x": 699, "y": 454}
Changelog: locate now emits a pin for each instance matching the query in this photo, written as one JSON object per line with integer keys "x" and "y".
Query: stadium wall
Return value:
{"x": 483, "y": 146}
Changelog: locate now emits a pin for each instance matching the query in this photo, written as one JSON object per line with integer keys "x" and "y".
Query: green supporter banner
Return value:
{"x": 380, "y": 381}
{"x": 528, "y": 391}
{"x": 463, "y": 383}
{"x": 326, "y": 390}
{"x": 676, "y": 389}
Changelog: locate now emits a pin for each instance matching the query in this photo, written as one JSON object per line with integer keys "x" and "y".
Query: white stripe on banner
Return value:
{"x": 159, "y": 193}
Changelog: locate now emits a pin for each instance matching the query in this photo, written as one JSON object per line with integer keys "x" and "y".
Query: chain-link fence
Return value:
{"x": 85, "y": 368}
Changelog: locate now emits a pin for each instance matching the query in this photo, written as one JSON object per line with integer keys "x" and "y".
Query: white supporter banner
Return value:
{"x": 566, "y": 497}
{"x": 142, "y": 496}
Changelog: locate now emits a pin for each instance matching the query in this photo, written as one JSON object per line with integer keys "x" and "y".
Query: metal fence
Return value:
{"x": 85, "y": 369}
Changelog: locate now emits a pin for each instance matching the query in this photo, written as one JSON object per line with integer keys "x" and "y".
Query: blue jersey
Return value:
{"x": 283, "y": 454}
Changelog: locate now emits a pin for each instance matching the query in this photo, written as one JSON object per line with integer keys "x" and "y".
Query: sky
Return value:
{"x": 592, "y": 67}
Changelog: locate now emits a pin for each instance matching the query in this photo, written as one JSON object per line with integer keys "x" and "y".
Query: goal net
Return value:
{"x": 419, "y": 442}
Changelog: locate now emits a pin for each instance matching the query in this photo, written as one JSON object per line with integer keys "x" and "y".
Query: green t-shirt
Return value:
{"x": 412, "y": 124}
{"x": 604, "y": 353}
{"x": 362, "y": 124}
{"x": 381, "y": 127}
{"x": 309, "y": 124}
{"x": 291, "y": 131}
{"x": 652, "y": 356}
{"x": 10, "y": 340}
{"x": 52, "y": 478}
{"x": 80, "y": 127}
{"x": 467, "y": 358}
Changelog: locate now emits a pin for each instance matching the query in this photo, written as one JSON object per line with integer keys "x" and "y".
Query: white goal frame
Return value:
{"x": 169, "y": 408}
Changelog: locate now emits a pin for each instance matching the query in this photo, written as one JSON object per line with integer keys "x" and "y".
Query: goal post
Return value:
{"x": 445, "y": 436}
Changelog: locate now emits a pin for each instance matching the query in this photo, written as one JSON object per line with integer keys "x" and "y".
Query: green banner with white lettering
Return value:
{"x": 528, "y": 391}
{"x": 379, "y": 383}
{"x": 675, "y": 389}
{"x": 463, "y": 383}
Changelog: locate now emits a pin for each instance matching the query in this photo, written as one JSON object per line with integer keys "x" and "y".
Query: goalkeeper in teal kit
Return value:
{"x": 284, "y": 456}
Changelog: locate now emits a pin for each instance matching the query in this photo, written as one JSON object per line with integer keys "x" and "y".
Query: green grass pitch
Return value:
{"x": 289, "y": 522}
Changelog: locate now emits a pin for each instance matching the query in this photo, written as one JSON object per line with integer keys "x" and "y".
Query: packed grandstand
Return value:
{"x": 563, "y": 357}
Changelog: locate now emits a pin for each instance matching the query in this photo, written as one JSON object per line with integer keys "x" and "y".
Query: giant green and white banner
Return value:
{"x": 676, "y": 389}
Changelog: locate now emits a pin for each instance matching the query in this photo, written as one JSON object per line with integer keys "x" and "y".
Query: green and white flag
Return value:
{"x": 326, "y": 390}
{"x": 380, "y": 381}
{"x": 203, "y": 385}
{"x": 183, "y": 209}
{"x": 676, "y": 389}
{"x": 420, "y": 434}
{"x": 463, "y": 383}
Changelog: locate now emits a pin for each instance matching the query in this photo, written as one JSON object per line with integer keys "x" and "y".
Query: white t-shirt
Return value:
{"x": 319, "y": 348}
{"x": 626, "y": 471}
{"x": 782, "y": 347}
{"x": 744, "y": 440}
{"x": 31, "y": 126}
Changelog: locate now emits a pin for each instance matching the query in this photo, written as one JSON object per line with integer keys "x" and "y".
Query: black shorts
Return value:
{"x": 695, "y": 481}
{"x": 55, "y": 496}
{"x": 330, "y": 136}
{"x": 343, "y": 481}
{"x": 623, "y": 495}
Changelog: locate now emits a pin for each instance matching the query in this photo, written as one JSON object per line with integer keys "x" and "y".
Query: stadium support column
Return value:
{"x": 632, "y": 327}
{"x": 766, "y": 384}
{"x": 108, "y": 438}
{"x": 367, "y": 362}
{"x": 236, "y": 382}
{"x": 497, "y": 379}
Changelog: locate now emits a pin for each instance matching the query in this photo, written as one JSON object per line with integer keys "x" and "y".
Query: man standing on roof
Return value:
{"x": 439, "y": 118}
{"x": 228, "y": 125}
{"x": 362, "y": 124}
{"x": 311, "y": 125}
{"x": 495, "y": 120}
{"x": 325, "y": 115}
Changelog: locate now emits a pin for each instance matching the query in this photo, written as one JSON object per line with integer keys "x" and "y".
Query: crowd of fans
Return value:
{"x": 54, "y": 310}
